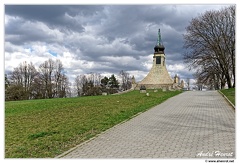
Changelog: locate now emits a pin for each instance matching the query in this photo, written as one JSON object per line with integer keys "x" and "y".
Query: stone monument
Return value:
{"x": 158, "y": 76}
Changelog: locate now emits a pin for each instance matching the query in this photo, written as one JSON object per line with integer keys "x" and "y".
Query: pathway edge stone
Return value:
{"x": 72, "y": 149}
{"x": 227, "y": 99}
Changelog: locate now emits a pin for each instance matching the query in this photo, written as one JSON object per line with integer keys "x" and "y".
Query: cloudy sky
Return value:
{"x": 98, "y": 38}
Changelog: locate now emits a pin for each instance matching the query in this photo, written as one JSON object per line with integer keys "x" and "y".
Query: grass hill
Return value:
{"x": 49, "y": 127}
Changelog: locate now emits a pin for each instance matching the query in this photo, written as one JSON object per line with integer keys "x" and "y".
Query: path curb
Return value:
{"x": 227, "y": 99}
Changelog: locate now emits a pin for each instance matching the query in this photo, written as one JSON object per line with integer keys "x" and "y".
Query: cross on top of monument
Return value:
{"x": 159, "y": 48}
{"x": 159, "y": 38}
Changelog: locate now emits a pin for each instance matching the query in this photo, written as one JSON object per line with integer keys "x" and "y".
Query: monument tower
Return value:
{"x": 158, "y": 76}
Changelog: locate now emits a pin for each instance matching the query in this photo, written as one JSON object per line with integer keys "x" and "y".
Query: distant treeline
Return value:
{"x": 50, "y": 81}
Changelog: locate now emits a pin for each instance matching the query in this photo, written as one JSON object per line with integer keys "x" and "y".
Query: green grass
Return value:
{"x": 49, "y": 127}
{"x": 230, "y": 94}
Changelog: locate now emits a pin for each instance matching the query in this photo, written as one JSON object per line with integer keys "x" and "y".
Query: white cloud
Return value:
{"x": 147, "y": 61}
{"x": 175, "y": 67}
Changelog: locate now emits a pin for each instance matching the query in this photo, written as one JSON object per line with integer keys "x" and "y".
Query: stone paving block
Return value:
{"x": 181, "y": 127}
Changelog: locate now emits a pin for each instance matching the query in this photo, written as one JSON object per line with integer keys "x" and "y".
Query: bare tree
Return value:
{"x": 28, "y": 83}
{"x": 95, "y": 78}
{"x": 211, "y": 74}
{"x": 126, "y": 80}
{"x": 22, "y": 79}
{"x": 46, "y": 75}
{"x": 53, "y": 78}
{"x": 58, "y": 78}
{"x": 38, "y": 91}
{"x": 210, "y": 44}
{"x": 64, "y": 89}
{"x": 80, "y": 81}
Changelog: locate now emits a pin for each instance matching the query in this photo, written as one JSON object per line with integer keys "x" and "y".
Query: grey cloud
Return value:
{"x": 117, "y": 30}
{"x": 55, "y": 16}
{"x": 20, "y": 31}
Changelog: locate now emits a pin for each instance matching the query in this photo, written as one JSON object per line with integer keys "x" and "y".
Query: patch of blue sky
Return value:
{"x": 29, "y": 49}
{"x": 64, "y": 71}
{"x": 52, "y": 53}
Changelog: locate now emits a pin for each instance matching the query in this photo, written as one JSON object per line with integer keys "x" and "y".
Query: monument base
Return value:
{"x": 155, "y": 86}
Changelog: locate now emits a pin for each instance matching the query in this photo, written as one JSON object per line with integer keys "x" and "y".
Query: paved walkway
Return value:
{"x": 194, "y": 124}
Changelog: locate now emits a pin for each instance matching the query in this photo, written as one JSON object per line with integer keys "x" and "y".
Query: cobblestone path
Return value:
{"x": 194, "y": 124}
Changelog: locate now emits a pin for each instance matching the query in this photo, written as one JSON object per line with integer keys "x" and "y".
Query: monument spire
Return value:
{"x": 159, "y": 48}
{"x": 159, "y": 37}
